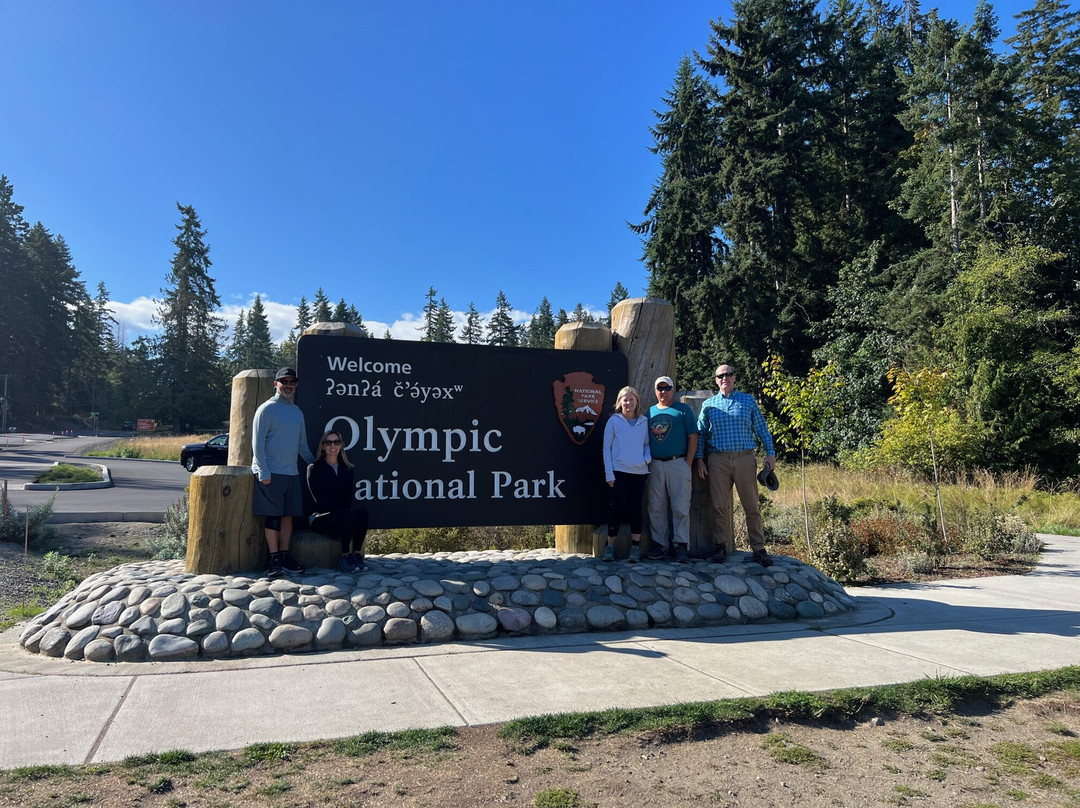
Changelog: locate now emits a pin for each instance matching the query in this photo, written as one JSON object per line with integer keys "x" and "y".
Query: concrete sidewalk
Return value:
{"x": 57, "y": 711}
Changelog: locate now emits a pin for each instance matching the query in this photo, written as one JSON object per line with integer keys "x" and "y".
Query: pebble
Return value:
{"x": 155, "y": 611}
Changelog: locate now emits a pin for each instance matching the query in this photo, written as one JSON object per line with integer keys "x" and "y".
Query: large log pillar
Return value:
{"x": 250, "y": 388}
{"x": 581, "y": 337}
{"x": 644, "y": 332}
{"x": 223, "y": 535}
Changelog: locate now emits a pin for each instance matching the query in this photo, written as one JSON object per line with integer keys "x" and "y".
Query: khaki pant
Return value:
{"x": 738, "y": 469}
{"x": 670, "y": 487}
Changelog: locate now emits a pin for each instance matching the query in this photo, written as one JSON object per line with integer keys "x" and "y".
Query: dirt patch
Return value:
{"x": 32, "y": 581}
{"x": 1027, "y": 752}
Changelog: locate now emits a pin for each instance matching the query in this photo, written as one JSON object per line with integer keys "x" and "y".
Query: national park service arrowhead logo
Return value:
{"x": 579, "y": 400}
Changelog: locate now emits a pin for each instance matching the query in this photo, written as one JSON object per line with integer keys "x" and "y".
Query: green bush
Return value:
{"x": 13, "y": 525}
{"x": 836, "y": 550}
{"x": 170, "y": 540}
{"x": 989, "y": 533}
{"x": 67, "y": 473}
{"x": 459, "y": 539}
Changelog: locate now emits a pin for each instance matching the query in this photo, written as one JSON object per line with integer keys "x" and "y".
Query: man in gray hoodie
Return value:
{"x": 279, "y": 436}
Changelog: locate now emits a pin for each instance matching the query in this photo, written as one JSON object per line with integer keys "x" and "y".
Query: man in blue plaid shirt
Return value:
{"x": 728, "y": 424}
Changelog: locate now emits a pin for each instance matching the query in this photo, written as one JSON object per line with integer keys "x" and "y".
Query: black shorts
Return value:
{"x": 280, "y": 498}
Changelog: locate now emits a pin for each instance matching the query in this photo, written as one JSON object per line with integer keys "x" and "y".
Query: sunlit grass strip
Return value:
{"x": 409, "y": 740}
{"x": 925, "y": 696}
{"x": 150, "y": 447}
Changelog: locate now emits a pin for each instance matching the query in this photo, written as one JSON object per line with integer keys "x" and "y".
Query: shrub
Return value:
{"x": 459, "y": 539}
{"x": 918, "y": 563}
{"x": 988, "y": 533}
{"x": 170, "y": 540}
{"x": 836, "y": 550}
{"x": 893, "y": 530}
{"x": 13, "y": 525}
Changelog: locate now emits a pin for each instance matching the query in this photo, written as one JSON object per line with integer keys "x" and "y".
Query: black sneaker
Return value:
{"x": 762, "y": 557}
{"x": 290, "y": 566}
{"x": 273, "y": 568}
{"x": 682, "y": 555}
{"x": 719, "y": 555}
{"x": 358, "y": 562}
{"x": 656, "y": 553}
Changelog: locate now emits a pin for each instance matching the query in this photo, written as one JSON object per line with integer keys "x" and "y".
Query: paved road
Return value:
{"x": 142, "y": 489}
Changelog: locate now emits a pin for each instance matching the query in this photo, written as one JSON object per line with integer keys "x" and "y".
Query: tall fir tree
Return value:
{"x": 191, "y": 384}
{"x": 501, "y": 329}
{"x": 320, "y": 308}
{"x": 472, "y": 332}
{"x": 429, "y": 325}
{"x": 679, "y": 232}
{"x": 541, "y": 330}
{"x": 260, "y": 348}
{"x": 770, "y": 282}
{"x": 618, "y": 294}
{"x": 444, "y": 323}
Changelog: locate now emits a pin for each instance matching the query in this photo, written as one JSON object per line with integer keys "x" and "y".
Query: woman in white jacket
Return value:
{"x": 626, "y": 468}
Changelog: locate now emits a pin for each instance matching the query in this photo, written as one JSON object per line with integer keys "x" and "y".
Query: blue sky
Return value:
{"x": 372, "y": 149}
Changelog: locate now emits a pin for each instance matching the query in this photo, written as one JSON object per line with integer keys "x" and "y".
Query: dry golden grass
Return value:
{"x": 152, "y": 447}
{"x": 1015, "y": 492}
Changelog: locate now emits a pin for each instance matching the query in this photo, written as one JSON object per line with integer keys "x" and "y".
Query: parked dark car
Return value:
{"x": 127, "y": 427}
{"x": 215, "y": 452}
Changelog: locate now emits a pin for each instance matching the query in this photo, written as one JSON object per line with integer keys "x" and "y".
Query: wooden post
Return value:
{"x": 250, "y": 388}
{"x": 581, "y": 337}
{"x": 702, "y": 517}
{"x": 223, "y": 535}
{"x": 644, "y": 331}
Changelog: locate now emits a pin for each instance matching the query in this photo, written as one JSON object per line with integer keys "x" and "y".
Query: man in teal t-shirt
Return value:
{"x": 673, "y": 438}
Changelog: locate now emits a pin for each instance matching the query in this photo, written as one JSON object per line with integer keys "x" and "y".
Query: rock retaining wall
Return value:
{"x": 155, "y": 611}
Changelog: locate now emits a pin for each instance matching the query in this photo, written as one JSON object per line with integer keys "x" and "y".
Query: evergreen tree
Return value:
{"x": 341, "y": 313}
{"x": 618, "y": 295}
{"x": 561, "y": 319}
{"x": 53, "y": 294}
{"x": 1047, "y": 52}
{"x": 501, "y": 329}
{"x": 320, "y": 308}
{"x": 541, "y": 331}
{"x": 431, "y": 314}
{"x": 680, "y": 245}
{"x": 236, "y": 353}
{"x": 191, "y": 384}
{"x": 581, "y": 315}
{"x": 444, "y": 323}
{"x": 303, "y": 316}
{"x": 472, "y": 333}
{"x": 260, "y": 348}
{"x": 770, "y": 280}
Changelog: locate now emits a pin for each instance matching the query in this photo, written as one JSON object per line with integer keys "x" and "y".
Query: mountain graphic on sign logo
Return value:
{"x": 578, "y": 400}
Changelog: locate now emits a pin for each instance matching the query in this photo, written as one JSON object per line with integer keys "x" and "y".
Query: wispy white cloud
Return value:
{"x": 136, "y": 318}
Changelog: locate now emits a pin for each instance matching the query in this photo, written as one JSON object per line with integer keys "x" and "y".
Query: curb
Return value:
{"x": 106, "y": 481}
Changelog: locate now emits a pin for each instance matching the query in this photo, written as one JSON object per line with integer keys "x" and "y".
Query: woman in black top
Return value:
{"x": 337, "y": 512}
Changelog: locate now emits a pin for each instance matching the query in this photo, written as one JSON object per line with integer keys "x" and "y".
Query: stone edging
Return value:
{"x": 155, "y": 611}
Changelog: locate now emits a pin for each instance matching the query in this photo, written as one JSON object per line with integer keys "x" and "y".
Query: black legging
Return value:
{"x": 626, "y": 497}
{"x": 347, "y": 525}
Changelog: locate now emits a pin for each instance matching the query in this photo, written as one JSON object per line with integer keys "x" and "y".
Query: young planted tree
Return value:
{"x": 806, "y": 405}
